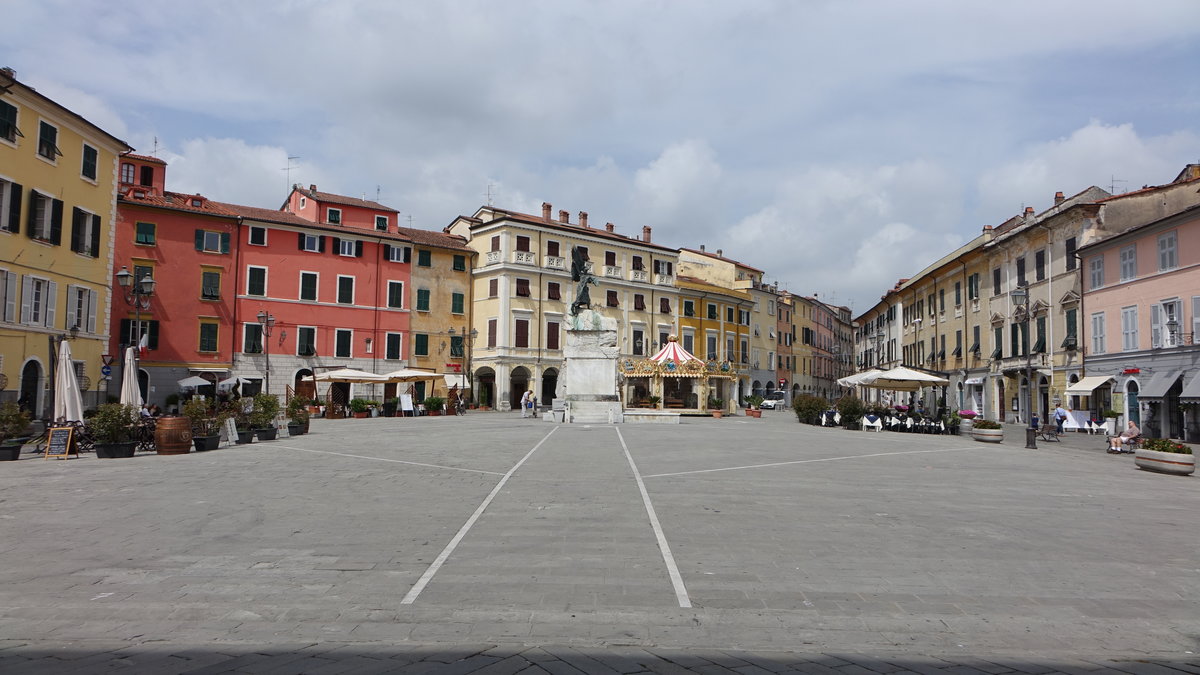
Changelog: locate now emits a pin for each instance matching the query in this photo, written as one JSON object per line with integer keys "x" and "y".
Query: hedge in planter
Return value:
{"x": 808, "y": 408}
{"x": 1165, "y": 456}
{"x": 987, "y": 431}
{"x": 112, "y": 428}
{"x": 13, "y": 423}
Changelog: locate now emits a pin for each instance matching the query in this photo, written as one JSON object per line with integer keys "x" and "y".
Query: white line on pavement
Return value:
{"x": 681, "y": 593}
{"x": 462, "y": 532}
{"x": 802, "y": 461}
{"x": 383, "y": 459}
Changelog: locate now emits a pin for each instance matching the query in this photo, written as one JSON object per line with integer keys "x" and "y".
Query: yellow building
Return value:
{"x": 714, "y": 325}
{"x": 522, "y": 293}
{"x": 58, "y": 192}
{"x": 440, "y": 323}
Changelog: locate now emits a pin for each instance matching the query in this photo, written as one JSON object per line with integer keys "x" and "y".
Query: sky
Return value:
{"x": 837, "y": 145}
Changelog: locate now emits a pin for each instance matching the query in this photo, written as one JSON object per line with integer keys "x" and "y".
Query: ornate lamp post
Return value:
{"x": 266, "y": 321}
{"x": 137, "y": 295}
{"x": 1020, "y": 295}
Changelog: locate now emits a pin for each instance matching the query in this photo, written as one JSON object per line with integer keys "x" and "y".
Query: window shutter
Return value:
{"x": 93, "y": 299}
{"x": 1195, "y": 316}
{"x": 10, "y": 296}
{"x": 321, "y": 244}
{"x": 522, "y": 333}
{"x": 1155, "y": 326}
{"x": 407, "y": 254}
{"x": 14, "y": 208}
{"x": 551, "y": 335}
{"x": 358, "y": 249}
{"x": 126, "y": 331}
{"x": 56, "y": 217}
{"x": 491, "y": 334}
{"x": 300, "y": 241}
{"x": 31, "y": 216}
{"x": 152, "y": 341}
{"x": 335, "y": 245}
{"x": 71, "y": 294}
{"x": 51, "y": 303}
{"x": 94, "y": 245}
{"x": 224, "y": 242}
{"x": 199, "y": 240}
{"x": 387, "y": 251}
{"x": 77, "y": 216}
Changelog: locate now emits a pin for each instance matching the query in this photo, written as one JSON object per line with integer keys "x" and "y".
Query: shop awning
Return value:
{"x": 1191, "y": 390}
{"x": 1159, "y": 384}
{"x": 974, "y": 380}
{"x": 1088, "y": 384}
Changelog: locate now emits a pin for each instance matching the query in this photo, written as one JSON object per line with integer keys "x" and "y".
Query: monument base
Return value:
{"x": 590, "y": 370}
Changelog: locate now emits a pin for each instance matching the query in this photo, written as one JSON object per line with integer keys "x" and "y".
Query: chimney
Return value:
{"x": 583, "y": 218}
{"x": 720, "y": 253}
{"x": 646, "y": 233}
{"x": 546, "y": 210}
{"x": 312, "y": 187}
{"x": 609, "y": 227}
{"x": 563, "y": 216}
{"x": 702, "y": 248}
{"x": 1058, "y": 198}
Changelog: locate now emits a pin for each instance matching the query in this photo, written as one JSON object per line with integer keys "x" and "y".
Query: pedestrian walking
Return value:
{"x": 525, "y": 403}
{"x": 1060, "y": 418}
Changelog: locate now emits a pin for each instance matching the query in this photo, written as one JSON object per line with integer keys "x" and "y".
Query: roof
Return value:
{"x": 723, "y": 258}
{"x": 330, "y": 198}
{"x": 8, "y": 78}
{"x": 176, "y": 201}
{"x": 144, "y": 158}
{"x": 684, "y": 282}
{"x": 433, "y": 238}
{"x": 1135, "y": 231}
{"x": 572, "y": 228}
{"x": 420, "y": 237}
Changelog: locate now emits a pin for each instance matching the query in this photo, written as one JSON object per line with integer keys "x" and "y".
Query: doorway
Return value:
{"x": 549, "y": 387}
{"x": 1131, "y": 397}
{"x": 31, "y": 386}
{"x": 518, "y": 383}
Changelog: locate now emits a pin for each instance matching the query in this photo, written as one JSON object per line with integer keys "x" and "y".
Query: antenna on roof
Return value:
{"x": 410, "y": 219}
{"x": 1112, "y": 184}
{"x": 155, "y": 153}
{"x": 288, "y": 169}
{"x": 488, "y": 194}
{"x": 377, "y": 188}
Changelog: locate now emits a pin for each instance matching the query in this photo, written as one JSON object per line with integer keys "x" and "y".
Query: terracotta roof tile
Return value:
{"x": 721, "y": 257}
{"x": 173, "y": 200}
{"x": 404, "y": 234}
{"x": 432, "y": 238}
{"x": 144, "y": 158}
{"x": 330, "y": 198}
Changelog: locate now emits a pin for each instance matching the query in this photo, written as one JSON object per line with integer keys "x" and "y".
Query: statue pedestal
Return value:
{"x": 590, "y": 370}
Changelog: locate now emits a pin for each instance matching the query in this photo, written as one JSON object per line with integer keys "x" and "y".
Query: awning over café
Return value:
{"x": 1191, "y": 390}
{"x": 1159, "y": 384}
{"x": 1087, "y": 385}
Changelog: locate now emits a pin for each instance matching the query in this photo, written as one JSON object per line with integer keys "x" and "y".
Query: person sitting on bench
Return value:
{"x": 1116, "y": 443}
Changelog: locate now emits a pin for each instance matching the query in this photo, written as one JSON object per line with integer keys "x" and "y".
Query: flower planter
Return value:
{"x": 202, "y": 443}
{"x": 267, "y": 434}
{"x": 9, "y": 452}
{"x": 115, "y": 450}
{"x": 1165, "y": 462}
{"x": 717, "y": 414}
{"x": 361, "y": 415}
{"x": 967, "y": 425}
{"x": 988, "y": 435}
{"x": 750, "y": 412}
{"x": 295, "y": 429}
{"x": 244, "y": 436}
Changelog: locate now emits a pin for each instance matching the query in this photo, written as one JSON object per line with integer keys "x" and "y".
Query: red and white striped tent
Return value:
{"x": 673, "y": 352}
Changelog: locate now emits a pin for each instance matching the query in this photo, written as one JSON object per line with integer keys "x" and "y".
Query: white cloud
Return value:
{"x": 233, "y": 171}
{"x": 682, "y": 178}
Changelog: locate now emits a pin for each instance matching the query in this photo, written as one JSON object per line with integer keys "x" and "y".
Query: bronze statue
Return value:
{"x": 580, "y": 274}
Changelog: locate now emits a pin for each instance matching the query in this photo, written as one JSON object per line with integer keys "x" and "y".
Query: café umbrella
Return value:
{"x": 130, "y": 392}
{"x": 903, "y": 379}
{"x": 68, "y": 400}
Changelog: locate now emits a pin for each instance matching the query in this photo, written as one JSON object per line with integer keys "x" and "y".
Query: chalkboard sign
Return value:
{"x": 58, "y": 443}
{"x": 230, "y": 429}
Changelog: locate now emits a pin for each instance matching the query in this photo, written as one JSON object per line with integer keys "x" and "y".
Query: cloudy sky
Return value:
{"x": 835, "y": 144}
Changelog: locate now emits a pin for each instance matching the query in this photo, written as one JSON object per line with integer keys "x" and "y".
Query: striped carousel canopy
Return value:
{"x": 673, "y": 352}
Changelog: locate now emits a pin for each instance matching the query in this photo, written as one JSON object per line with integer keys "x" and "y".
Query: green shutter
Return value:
{"x": 421, "y": 344}
{"x": 224, "y": 242}
{"x": 199, "y": 240}
{"x": 456, "y": 304}
{"x": 423, "y": 300}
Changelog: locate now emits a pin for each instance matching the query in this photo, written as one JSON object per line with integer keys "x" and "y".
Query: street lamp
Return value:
{"x": 266, "y": 322}
{"x": 1172, "y": 330}
{"x": 137, "y": 295}
{"x": 1020, "y": 295}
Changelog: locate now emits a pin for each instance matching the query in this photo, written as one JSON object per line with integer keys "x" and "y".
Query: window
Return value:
{"x": 1096, "y": 272}
{"x": 395, "y": 294}
{"x": 1021, "y": 271}
{"x": 343, "y": 343}
{"x": 1098, "y": 333}
{"x": 493, "y": 288}
{"x": 975, "y": 346}
{"x": 345, "y": 290}
{"x": 689, "y": 342}
{"x": 456, "y": 346}
{"x": 1168, "y": 258}
{"x": 1072, "y": 339}
{"x": 521, "y": 332}
{"x": 1039, "y": 265}
{"x": 460, "y": 263}
{"x": 252, "y": 339}
{"x": 381, "y": 223}
{"x": 10, "y": 206}
{"x": 998, "y": 340}
{"x": 308, "y": 286}
{"x": 995, "y": 281}
{"x": 1161, "y": 315}
{"x": 145, "y": 234}
{"x": 256, "y": 281}
{"x": 306, "y": 341}
{"x": 1070, "y": 253}
{"x": 941, "y": 300}
{"x": 397, "y": 254}
{"x": 729, "y": 314}
{"x": 312, "y": 243}
{"x": 8, "y": 122}
{"x": 522, "y": 243}
{"x": 1128, "y": 263}
{"x": 689, "y": 309}
{"x": 611, "y": 299}
{"x": 610, "y": 258}
{"x": 957, "y": 343}
{"x": 664, "y": 267}
{"x": 347, "y": 247}
{"x": 258, "y": 235}
{"x": 45, "y": 218}
{"x": 491, "y": 334}
{"x": 1129, "y": 329}
{"x": 712, "y": 311}
{"x": 552, "y": 249}
{"x": 128, "y": 173}
{"x": 209, "y": 330}
{"x": 710, "y": 344}
{"x": 334, "y": 216}
{"x": 1039, "y": 346}
{"x": 420, "y": 344}
{"x": 456, "y": 303}
{"x": 48, "y": 141}
{"x": 212, "y": 242}
{"x": 422, "y": 299}
{"x": 424, "y": 258}
{"x": 81, "y": 308}
{"x": 636, "y": 263}
{"x": 210, "y": 285}
{"x": 664, "y": 305}
{"x": 85, "y": 232}
{"x": 393, "y": 342}
{"x": 495, "y": 243}
{"x": 553, "y": 291}
{"x": 958, "y": 294}
{"x": 552, "y": 335}
{"x": 91, "y": 157}
{"x": 639, "y": 338}
{"x": 744, "y": 317}
{"x": 639, "y": 302}
{"x": 522, "y": 288}
{"x": 147, "y": 176}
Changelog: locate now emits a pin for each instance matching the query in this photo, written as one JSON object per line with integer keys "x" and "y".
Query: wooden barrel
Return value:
{"x": 173, "y": 435}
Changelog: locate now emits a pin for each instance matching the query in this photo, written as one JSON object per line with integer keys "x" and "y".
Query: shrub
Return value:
{"x": 434, "y": 403}
{"x": 754, "y": 400}
{"x": 113, "y": 423}
{"x": 986, "y": 424}
{"x": 808, "y": 408}
{"x": 297, "y": 409}
{"x": 360, "y": 405}
{"x": 202, "y": 420}
{"x": 1166, "y": 445}
{"x": 266, "y": 407}
{"x": 13, "y": 421}
{"x": 852, "y": 409}
{"x": 1109, "y": 413}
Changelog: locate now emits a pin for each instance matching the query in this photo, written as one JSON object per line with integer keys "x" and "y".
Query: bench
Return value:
{"x": 1049, "y": 432}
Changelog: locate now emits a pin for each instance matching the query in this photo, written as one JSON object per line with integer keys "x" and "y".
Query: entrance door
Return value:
{"x": 306, "y": 389}
{"x": 1131, "y": 396}
{"x": 549, "y": 387}
{"x": 31, "y": 380}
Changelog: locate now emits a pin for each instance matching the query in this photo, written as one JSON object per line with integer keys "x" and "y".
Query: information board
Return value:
{"x": 58, "y": 442}
{"x": 229, "y": 431}
{"x": 406, "y": 403}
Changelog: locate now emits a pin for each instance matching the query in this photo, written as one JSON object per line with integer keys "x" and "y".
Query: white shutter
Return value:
{"x": 93, "y": 300}
{"x": 72, "y": 295}
{"x": 51, "y": 302}
{"x": 26, "y": 298}
{"x": 1195, "y": 319}
{"x": 1155, "y": 326}
{"x": 10, "y": 296}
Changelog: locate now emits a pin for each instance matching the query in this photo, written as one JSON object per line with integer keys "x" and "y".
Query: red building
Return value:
{"x": 185, "y": 243}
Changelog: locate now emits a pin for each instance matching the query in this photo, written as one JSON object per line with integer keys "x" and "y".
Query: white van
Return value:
{"x": 774, "y": 401}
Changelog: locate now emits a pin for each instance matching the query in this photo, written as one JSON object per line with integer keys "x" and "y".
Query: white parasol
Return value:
{"x": 410, "y": 375}
{"x": 131, "y": 394}
{"x": 68, "y": 401}
{"x": 193, "y": 382}
{"x": 903, "y": 379}
{"x": 346, "y": 375}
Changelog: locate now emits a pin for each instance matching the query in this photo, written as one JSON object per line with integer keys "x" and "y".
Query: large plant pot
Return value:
{"x": 1165, "y": 462}
{"x": 967, "y": 425}
{"x": 244, "y": 436}
{"x": 295, "y": 429}
{"x": 751, "y": 412}
{"x": 115, "y": 450}
{"x": 9, "y": 452}
{"x": 266, "y": 434}
{"x": 306, "y": 423}
{"x": 361, "y": 415}
{"x": 203, "y": 443}
{"x": 717, "y": 414}
{"x": 988, "y": 435}
{"x": 173, "y": 436}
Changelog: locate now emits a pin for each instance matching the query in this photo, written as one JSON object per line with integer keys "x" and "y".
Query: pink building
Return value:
{"x": 1141, "y": 309}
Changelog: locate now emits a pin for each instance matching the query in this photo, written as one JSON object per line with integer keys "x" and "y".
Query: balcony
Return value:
{"x": 638, "y": 275}
{"x": 664, "y": 279}
{"x": 613, "y": 271}
{"x": 493, "y": 257}
{"x": 555, "y": 262}
{"x": 525, "y": 257}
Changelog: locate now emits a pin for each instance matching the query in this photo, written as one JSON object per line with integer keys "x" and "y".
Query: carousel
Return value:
{"x": 677, "y": 381}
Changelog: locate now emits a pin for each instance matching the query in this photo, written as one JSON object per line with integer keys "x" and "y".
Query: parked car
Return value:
{"x": 774, "y": 401}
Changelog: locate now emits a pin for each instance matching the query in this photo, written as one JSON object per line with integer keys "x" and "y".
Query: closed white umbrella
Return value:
{"x": 68, "y": 400}
{"x": 131, "y": 394}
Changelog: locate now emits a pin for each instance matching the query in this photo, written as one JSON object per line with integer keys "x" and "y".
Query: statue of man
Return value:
{"x": 580, "y": 274}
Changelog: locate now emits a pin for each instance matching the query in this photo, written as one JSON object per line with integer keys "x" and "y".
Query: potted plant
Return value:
{"x": 434, "y": 404}
{"x": 808, "y": 408}
{"x": 715, "y": 404}
{"x": 240, "y": 411}
{"x": 298, "y": 415}
{"x": 653, "y": 401}
{"x": 390, "y": 405}
{"x": 206, "y": 432}
{"x": 360, "y": 407}
{"x": 1165, "y": 456}
{"x": 112, "y": 430}
{"x": 13, "y": 423}
{"x": 262, "y": 418}
{"x": 851, "y": 408}
{"x": 968, "y": 419}
{"x": 987, "y": 431}
{"x": 752, "y": 403}
{"x": 1110, "y": 420}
